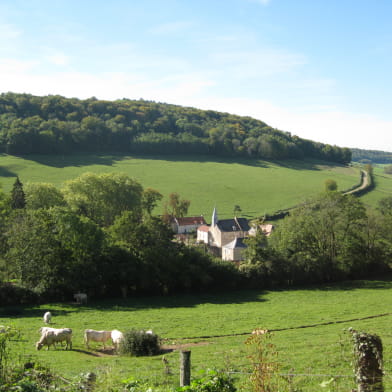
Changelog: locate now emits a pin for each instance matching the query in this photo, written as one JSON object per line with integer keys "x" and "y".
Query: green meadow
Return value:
{"x": 309, "y": 330}
{"x": 257, "y": 186}
{"x": 383, "y": 187}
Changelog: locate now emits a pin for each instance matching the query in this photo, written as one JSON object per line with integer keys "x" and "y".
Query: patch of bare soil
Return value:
{"x": 105, "y": 352}
{"x": 181, "y": 346}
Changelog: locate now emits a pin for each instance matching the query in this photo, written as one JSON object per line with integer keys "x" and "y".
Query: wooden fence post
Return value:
{"x": 185, "y": 368}
{"x": 368, "y": 362}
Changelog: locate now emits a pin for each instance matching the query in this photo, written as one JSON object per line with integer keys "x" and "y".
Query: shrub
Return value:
{"x": 11, "y": 294}
{"x": 139, "y": 343}
{"x": 212, "y": 382}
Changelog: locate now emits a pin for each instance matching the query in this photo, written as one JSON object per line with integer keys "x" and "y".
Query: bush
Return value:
{"x": 11, "y": 294}
{"x": 212, "y": 382}
{"x": 139, "y": 343}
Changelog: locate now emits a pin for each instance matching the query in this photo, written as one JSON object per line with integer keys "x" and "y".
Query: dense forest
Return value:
{"x": 55, "y": 124}
{"x": 371, "y": 156}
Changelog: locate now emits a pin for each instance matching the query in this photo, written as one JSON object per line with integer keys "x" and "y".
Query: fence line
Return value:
{"x": 285, "y": 329}
{"x": 301, "y": 374}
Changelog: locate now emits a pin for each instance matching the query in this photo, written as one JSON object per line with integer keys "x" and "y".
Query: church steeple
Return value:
{"x": 214, "y": 219}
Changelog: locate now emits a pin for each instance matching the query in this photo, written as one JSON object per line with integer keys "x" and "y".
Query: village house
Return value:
{"x": 203, "y": 234}
{"x": 187, "y": 225}
{"x": 234, "y": 250}
{"x": 266, "y": 229}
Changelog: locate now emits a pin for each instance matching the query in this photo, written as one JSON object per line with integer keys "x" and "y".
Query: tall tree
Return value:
{"x": 175, "y": 207}
{"x": 43, "y": 195}
{"x": 324, "y": 239}
{"x": 18, "y": 200}
{"x": 103, "y": 197}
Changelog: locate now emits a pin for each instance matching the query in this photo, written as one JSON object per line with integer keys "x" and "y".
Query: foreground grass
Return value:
{"x": 257, "y": 186}
{"x": 202, "y": 323}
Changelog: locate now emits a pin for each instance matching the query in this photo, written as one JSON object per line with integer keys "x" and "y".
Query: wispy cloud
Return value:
{"x": 8, "y": 31}
{"x": 58, "y": 58}
{"x": 262, "y": 2}
{"x": 258, "y": 63}
{"x": 172, "y": 27}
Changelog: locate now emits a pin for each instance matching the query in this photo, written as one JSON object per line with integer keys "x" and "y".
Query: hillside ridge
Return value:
{"x": 54, "y": 124}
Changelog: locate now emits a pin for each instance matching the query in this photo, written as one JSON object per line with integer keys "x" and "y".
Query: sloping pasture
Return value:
{"x": 309, "y": 327}
{"x": 257, "y": 186}
{"x": 383, "y": 187}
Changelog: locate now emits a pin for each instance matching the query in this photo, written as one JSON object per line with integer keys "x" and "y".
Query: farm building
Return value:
{"x": 265, "y": 228}
{"x": 187, "y": 224}
{"x": 203, "y": 234}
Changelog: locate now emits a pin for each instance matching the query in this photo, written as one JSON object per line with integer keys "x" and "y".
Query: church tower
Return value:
{"x": 214, "y": 219}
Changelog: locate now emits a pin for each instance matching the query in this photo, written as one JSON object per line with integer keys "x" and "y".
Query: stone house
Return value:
{"x": 234, "y": 250}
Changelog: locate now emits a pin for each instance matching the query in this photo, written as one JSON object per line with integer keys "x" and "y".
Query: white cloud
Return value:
{"x": 58, "y": 59}
{"x": 172, "y": 27}
{"x": 8, "y": 31}
{"x": 261, "y": 63}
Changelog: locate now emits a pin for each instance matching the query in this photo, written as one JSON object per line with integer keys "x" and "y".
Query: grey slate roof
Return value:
{"x": 236, "y": 243}
{"x": 236, "y": 224}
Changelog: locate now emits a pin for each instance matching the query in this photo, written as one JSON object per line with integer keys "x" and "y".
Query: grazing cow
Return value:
{"x": 53, "y": 336}
{"x": 117, "y": 338}
{"x": 47, "y": 317}
{"x": 90, "y": 335}
{"x": 259, "y": 331}
{"x": 80, "y": 298}
{"x": 43, "y": 330}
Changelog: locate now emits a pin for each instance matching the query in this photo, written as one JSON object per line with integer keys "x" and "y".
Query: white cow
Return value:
{"x": 91, "y": 335}
{"x": 53, "y": 336}
{"x": 43, "y": 330}
{"x": 47, "y": 317}
{"x": 80, "y": 298}
{"x": 117, "y": 338}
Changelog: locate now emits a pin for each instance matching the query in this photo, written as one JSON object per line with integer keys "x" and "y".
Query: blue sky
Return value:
{"x": 320, "y": 69}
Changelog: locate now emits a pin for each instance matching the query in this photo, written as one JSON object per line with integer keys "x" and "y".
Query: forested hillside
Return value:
{"x": 54, "y": 124}
{"x": 369, "y": 156}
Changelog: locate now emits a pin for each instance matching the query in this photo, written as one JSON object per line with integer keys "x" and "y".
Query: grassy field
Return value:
{"x": 308, "y": 327}
{"x": 383, "y": 187}
{"x": 258, "y": 187}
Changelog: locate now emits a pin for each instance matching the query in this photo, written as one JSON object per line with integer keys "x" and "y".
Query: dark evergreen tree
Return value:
{"x": 18, "y": 200}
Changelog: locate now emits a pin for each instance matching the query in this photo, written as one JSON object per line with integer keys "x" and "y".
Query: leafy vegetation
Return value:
{"x": 54, "y": 124}
{"x": 371, "y": 156}
{"x": 140, "y": 342}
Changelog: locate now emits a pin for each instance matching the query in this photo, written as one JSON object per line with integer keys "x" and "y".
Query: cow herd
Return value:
{"x": 51, "y": 336}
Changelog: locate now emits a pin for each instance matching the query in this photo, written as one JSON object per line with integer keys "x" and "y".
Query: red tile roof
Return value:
{"x": 191, "y": 220}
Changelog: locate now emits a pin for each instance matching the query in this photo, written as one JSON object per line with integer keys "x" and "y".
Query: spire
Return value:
{"x": 214, "y": 219}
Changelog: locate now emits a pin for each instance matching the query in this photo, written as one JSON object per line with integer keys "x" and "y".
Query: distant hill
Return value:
{"x": 55, "y": 124}
{"x": 371, "y": 156}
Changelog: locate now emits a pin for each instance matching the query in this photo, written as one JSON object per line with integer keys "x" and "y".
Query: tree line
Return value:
{"x": 55, "y": 124}
{"x": 98, "y": 234}
{"x": 371, "y": 156}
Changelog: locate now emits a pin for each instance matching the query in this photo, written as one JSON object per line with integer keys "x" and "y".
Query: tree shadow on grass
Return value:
{"x": 374, "y": 284}
{"x": 109, "y": 159}
{"x": 183, "y": 300}
{"x": 21, "y": 311}
{"x": 4, "y": 172}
